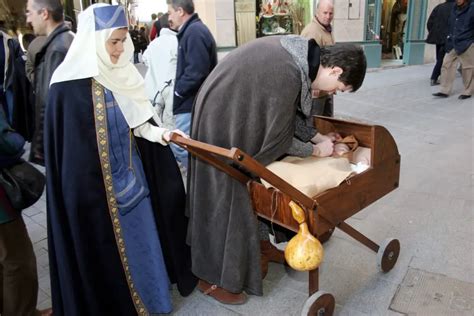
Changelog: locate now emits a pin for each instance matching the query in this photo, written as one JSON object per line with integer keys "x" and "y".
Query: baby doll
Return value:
{"x": 349, "y": 148}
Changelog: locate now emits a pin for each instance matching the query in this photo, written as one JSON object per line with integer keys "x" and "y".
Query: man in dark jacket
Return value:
{"x": 235, "y": 109}
{"x": 437, "y": 32}
{"x": 197, "y": 56}
{"x": 459, "y": 46}
{"x": 15, "y": 90}
{"x": 18, "y": 275}
{"x": 46, "y": 17}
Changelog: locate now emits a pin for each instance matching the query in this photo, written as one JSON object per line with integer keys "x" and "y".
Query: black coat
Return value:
{"x": 47, "y": 60}
{"x": 197, "y": 56}
{"x": 23, "y": 98}
{"x": 438, "y": 23}
{"x": 21, "y": 111}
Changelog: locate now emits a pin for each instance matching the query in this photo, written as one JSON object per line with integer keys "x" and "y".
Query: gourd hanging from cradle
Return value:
{"x": 303, "y": 252}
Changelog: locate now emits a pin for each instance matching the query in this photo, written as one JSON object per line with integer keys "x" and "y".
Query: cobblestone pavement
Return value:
{"x": 431, "y": 213}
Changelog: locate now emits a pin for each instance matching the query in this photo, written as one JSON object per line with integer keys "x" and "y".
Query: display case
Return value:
{"x": 275, "y": 24}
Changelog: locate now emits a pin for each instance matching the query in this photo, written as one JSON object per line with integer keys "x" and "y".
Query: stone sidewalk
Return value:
{"x": 431, "y": 213}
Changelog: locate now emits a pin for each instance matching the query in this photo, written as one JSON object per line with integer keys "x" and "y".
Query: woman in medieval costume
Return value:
{"x": 104, "y": 156}
{"x": 261, "y": 108}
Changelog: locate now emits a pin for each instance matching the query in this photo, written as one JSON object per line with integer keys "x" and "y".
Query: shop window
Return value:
{"x": 393, "y": 28}
{"x": 372, "y": 32}
{"x": 274, "y": 18}
{"x": 282, "y": 17}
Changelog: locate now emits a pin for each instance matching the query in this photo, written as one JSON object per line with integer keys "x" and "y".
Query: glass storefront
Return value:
{"x": 389, "y": 29}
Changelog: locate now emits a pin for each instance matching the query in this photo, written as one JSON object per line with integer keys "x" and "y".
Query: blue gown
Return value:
{"x": 142, "y": 244}
{"x": 104, "y": 251}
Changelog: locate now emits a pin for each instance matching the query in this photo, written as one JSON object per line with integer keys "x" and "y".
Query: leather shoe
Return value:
{"x": 440, "y": 94}
{"x": 464, "y": 97}
{"x": 220, "y": 294}
{"x": 434, "y": 82}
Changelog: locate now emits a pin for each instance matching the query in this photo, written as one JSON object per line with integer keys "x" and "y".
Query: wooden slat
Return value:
{"x": 359, "y": 191}
{"x": 358, "y": 236}
{"x": 313, "y": 281}
{"x": 191, "y": 143}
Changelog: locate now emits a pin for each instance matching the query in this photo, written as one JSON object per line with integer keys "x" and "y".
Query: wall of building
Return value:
{"x": 348, "y": 26}
{"x": 349, "y": 20}
{"x": 219, "y": 16}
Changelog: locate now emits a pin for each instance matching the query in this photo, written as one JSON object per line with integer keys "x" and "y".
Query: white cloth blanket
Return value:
{"x": 311, "y": 175}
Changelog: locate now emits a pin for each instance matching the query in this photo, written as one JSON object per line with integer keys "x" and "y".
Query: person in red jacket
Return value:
{"x": 156, "y": 27}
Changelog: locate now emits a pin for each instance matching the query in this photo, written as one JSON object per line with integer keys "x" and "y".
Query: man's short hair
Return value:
{"x": 54, "y": 7}
{"x": 187, "y": 5}
{"x": 164, "y": 21}
{"x": 350, "y": 58}
{"x": 322, "y": 1}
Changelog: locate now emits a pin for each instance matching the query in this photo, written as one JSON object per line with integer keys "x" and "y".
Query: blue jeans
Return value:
{"x": 183, "y": 123}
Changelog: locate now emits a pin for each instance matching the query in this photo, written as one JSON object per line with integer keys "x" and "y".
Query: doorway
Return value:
{"x": 393, "y": 29}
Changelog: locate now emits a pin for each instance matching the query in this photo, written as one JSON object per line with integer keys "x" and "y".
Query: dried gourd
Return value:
{"x": 303, "y": 252}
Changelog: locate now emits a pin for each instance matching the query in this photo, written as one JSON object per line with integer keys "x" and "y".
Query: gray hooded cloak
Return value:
{"x": 249, "y": 101}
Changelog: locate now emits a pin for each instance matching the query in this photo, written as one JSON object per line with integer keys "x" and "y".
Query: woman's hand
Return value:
{"x": 167, "y": 134}
{"x": 323, "y": 149}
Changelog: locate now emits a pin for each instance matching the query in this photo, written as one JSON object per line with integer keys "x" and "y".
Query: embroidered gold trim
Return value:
{"x": 103, "y": 146}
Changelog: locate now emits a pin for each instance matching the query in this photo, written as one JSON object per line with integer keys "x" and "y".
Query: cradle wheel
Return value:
{"x": 325, "y": 237}
{"x": 388, "y": 254}
{"x": 319, "y": 304}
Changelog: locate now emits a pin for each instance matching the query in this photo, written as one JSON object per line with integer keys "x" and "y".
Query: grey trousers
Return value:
{"x": 18, "y": 275}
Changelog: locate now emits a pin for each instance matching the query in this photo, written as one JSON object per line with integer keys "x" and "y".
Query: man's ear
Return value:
{"x": 45, "y": 14}
{"x": 336, "y": 71}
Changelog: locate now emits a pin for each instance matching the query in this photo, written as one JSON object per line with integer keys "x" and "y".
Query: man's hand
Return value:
{"x": 318, "y": 138}
{"x": 323, "y": 149}
{"x": 334, "y": 136}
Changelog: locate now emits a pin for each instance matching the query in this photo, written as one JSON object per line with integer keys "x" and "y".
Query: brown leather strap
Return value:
{"x": 210, "y": 290}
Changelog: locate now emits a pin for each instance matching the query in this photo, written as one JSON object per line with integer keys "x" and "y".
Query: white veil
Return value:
{"x": 87, "y": 58}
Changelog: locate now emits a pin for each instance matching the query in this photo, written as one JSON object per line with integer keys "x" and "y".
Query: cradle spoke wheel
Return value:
{"x": 388, "y": 254}
{"x": 319, "y": 304}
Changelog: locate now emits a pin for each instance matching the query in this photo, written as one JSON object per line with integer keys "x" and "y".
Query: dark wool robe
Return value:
{"x": 85, "y": 265}
{"x": 249, "y": 101}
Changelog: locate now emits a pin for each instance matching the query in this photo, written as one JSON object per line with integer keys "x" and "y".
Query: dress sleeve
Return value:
{"x": 151, "y": 133}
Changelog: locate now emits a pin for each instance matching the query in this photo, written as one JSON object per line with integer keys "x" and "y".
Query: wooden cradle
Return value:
{"x": 325, "y": 211}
